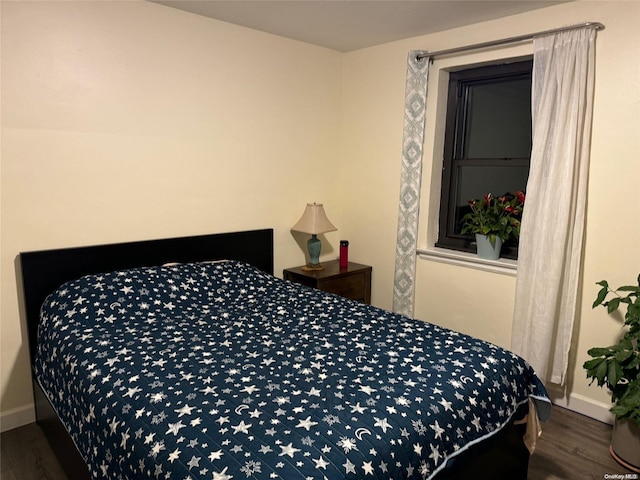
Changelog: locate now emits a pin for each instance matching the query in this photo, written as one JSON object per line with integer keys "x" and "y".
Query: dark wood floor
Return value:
{"x": 572, "y": 447}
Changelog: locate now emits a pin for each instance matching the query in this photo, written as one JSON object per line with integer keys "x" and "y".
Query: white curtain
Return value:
{"x": 550, "y": 251}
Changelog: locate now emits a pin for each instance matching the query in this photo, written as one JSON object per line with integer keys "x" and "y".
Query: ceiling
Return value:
{"x": 346, "y": 25}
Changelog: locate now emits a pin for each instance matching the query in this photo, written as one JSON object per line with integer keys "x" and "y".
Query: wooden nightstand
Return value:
{"x": 353, "y": 282}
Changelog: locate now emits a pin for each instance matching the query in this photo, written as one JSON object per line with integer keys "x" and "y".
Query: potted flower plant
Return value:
{"x": 618, "y": 368}
{"x": 494, "y": 220}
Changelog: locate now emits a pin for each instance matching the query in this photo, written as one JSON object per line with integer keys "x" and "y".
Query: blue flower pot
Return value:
{"x": 486, "y": 249}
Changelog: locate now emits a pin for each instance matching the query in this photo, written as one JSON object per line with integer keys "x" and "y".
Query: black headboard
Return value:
{"x": 44, "y": 271}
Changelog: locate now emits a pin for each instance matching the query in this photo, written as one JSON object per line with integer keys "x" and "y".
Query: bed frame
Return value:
{"x": 41, "y": 272}
{"x": 502, "y": 457}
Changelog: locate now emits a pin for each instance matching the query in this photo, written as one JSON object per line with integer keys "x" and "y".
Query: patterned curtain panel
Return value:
{"x": 550, "y": 254}
{"x": 412, "y": 150}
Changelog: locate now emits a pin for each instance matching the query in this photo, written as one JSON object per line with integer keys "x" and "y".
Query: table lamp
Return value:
{"x": 314, "y": 221}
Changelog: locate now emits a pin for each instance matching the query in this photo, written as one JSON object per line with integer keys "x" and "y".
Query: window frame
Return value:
{"x": 454, "y": 137}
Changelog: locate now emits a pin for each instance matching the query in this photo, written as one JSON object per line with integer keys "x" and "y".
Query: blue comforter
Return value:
{"x": 220, "y": 371}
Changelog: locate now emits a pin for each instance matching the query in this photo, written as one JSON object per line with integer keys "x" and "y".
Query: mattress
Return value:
{"x": 223, "y": 371}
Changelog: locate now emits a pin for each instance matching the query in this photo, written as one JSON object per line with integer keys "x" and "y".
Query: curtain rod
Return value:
{"x": 493, "y": 43}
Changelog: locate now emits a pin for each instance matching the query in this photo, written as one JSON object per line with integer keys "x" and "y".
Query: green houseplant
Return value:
{"x": 618, "y": 368}
{"x": 497, "y": 218}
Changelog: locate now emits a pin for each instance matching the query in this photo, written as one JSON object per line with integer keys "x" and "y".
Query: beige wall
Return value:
{"x": 130, "y": 120}
{"x": 473, "y": 301}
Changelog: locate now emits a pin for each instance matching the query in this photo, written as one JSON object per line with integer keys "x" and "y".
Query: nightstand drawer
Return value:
{"x": 352, "y": 286}
{"x": 353, "y": 282}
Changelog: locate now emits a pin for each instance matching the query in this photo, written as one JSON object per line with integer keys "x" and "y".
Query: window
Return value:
{"x": 487, "y": 144}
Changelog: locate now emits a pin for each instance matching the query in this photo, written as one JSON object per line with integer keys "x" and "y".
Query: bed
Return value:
{"x": 186, "y": 358}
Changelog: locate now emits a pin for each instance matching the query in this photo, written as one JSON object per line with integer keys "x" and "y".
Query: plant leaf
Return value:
{"x": 613, "y": 304}
{"x": 629, "y": 288}
{"x": 600, "y": 351}
{"x": 619, "y": 411}
{"x": 593, "y": 363}
{"x": 600, "y": 372}
{"x": 602, "y": 294}
{"x": 614, "y": 373}
{"x": 623, "y": 355}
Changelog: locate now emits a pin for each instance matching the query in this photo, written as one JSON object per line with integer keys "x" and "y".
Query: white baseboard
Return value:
{"x": 581, "y": 404}
{"x": 17, "y": 417}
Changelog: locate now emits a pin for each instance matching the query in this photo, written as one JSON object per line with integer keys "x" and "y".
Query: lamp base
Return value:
{"x": 312, "y": 268}
{"x": 314, "y": 245}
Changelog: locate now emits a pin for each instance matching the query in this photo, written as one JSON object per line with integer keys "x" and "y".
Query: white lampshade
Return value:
{"x": 314, "y": 220}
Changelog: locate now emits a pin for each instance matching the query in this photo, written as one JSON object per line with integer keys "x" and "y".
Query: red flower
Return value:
{"x": 497, "y": 216}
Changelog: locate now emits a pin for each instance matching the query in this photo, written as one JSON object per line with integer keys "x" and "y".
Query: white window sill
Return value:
{"x": 503, "y": 266}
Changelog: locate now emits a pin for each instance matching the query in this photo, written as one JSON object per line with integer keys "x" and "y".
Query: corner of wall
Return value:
{"x": 17, "y": 417}
{"x": 581, "y": 404}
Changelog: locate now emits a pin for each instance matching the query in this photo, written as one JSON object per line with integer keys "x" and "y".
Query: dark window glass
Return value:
{"x": 487, "y": 143}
